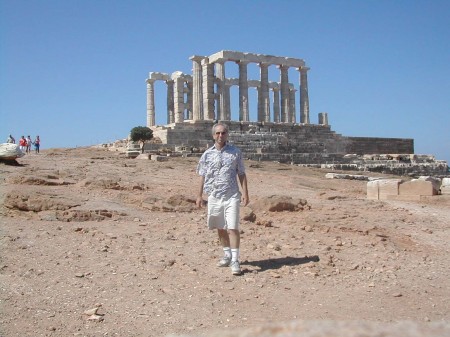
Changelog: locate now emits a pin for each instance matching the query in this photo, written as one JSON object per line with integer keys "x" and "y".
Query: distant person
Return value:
{"x": 11, "y": 140}
{"x": 37, "y": 144}
{"x": 23, "y": 144}
{"x": 220, "y": 168}
{"x": 29, "y": 143}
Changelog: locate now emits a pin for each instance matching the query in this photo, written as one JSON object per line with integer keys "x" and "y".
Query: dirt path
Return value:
{"x": 86, "y": 228}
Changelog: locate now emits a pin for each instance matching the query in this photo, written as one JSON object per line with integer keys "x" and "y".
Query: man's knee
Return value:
{"x": 234, "y": 232}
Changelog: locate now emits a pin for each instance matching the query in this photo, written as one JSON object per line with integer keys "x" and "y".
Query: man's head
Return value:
{"x": 220, "y": 134}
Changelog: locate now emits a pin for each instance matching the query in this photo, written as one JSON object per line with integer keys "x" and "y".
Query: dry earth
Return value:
{"x": 94, "y": 244}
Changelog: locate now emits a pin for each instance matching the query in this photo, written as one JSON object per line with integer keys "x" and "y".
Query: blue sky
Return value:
{"x": 74, "y": 71}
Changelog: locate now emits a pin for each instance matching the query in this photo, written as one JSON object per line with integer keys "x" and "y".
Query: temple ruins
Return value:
{"x": 280, "y": 130}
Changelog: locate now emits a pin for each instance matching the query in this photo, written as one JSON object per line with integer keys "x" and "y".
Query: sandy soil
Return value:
{"x": 94, "y": 244}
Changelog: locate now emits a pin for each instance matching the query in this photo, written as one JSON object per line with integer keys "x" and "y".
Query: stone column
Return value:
{"x": 276, "y": 105}
{"x": 150, "y": 102}
{"x": 220, "y": 75}
{"x": 170, "y": 103}
{"x": 292, "y": 117}
{"x": 227, "y": 102}
{"x": 208, "y": 89}
{"x": 263, "y": 98}
{"x": 304, "y": 100}
{"x": 244, "y": 114}
{"x": 178, "y": 90}
{"x": 197, "y": 108}
{"x": 189, "y": 103}
{"x": 323, "y": 118}
{"x": 284, "y": 90}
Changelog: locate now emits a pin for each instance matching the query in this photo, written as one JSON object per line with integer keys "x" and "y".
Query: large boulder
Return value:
{"x": 279, "y": 203}
{"x": 10, "y": 151}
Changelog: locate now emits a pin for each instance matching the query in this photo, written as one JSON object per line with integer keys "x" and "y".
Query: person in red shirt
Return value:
{"x": 23, "y": 144}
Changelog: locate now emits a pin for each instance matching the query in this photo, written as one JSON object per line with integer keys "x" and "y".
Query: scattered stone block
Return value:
{"x": 133, "y": 154}
{"x": 388, "y": 187}
{"x": 416, "y": 187}
{"x": 159, "y": 158}
{"x": 435, "y": 181}
{"x": 372, "y": 190}
{"x": 445, "y": 187}
{"x": 143, "y": 156}
{"x": 383, "y": 188}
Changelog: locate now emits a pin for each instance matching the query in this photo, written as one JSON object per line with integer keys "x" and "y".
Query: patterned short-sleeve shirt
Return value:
{"x": 220, "y": 169}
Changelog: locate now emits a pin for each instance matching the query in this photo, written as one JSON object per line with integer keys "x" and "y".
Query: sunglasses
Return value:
{"x": 221, "y": 133}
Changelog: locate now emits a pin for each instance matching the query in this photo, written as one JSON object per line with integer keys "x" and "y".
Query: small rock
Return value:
{"x": 355, "y": 266}
{"x": 96, "y": 318}
{"x": 275, "y": 275}
{"x": 91, "y": 312}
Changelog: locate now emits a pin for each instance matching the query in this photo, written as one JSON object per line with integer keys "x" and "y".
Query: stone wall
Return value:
{"x": 303, "y": 144}
{"x": 362, "y": 145}
{"x": 266, "y": 139}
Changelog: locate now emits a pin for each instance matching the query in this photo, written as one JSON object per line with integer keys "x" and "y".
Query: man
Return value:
{"x": 220, "y": 167}
{"x": 29, "y": 143}
{"x": 11, "y": 140}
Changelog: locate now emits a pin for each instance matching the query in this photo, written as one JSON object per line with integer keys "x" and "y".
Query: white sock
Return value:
{"x": 235, "y": 254}
{"x": 227, "y": 251}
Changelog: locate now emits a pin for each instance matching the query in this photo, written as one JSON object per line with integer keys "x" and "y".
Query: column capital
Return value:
{"x": 282, "y": 66}
{"x": 305, "y": 69}
{"x": 264, "y": 64}
{"x": 197, "y": 58}
{"x": 242, "y": 62}
{"x": 150, "y": 81}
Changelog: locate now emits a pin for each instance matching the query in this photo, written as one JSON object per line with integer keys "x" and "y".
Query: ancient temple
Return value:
{"x": 280, "y": 132}
{"x": 205, "y": 95}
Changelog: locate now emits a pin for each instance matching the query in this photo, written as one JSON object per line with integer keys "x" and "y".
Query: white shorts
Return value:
{"x": 224, "y": 213}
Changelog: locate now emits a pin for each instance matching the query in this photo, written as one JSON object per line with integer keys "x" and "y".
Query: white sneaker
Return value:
{"x": 224, "y": 262}
{"x": 235, "y": 268}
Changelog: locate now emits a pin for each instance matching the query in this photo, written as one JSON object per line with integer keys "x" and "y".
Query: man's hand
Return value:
{"x": 199, "y": 202}
{"x": 244, "y": 200}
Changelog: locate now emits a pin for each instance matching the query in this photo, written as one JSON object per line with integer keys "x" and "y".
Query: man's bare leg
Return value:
{"x": 234, "y": 238}
{"x": 224, "y": 238}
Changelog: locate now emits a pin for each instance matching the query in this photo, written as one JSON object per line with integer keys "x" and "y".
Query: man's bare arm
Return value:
{"x": 244, "y": 199}
{"x": 199, "y": 201}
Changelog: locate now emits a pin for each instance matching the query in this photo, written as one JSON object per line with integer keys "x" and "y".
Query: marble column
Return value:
{"x": 208, "y": 89}
{"x": 189, "y": 103}
{"x": 292, "y": 117}
{"x": 150, "y": 102}
{"x": 263, "y": 98}
{"x": 220, "y": 76}
{"x": 276, "y": 105}
{"x": 227, "y": 102}
{"x": 197, "y": 108}
{"x": 304, "y": 100}
{"x": 284, "y": 91}
{"x": 244, "y": 114}
{"x": 323, "y": 118}
{"x": 178, "y": 90}
{"x": 170, "y": 103}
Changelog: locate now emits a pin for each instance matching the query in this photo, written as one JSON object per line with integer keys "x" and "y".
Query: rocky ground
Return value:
{"x": 94, "y": 244}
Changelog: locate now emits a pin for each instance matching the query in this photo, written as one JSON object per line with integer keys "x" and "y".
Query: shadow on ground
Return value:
{"x": 280, "y": 262}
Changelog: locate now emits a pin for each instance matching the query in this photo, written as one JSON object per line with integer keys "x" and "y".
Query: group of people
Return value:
{"x": 25, "y": 143}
